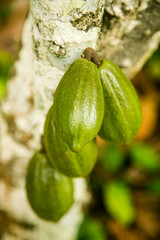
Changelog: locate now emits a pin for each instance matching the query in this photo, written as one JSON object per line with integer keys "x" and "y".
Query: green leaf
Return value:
{"x": 118, "y": 202}
{"x": 95, "y": 185}
{"x": 154, "y": 186}
{"x": 5, "y": 64}
{"x": 91, "y": 230}
{"x": 113, "y": 158}
{"x": 152, "y": 66}
{"x": 4, "y": 12}
{"x": 3, "y": 87}
{"x": 144, "y": 158}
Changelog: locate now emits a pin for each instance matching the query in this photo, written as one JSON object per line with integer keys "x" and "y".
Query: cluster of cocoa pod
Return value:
{"x": 89, "y": 100}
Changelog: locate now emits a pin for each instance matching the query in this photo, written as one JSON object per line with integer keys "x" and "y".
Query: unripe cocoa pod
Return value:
{"x": 67, "y": 162}
{"x": 78, "y": 107}
{"x": 122, "y": 117}
{"x": 50, "y": 193}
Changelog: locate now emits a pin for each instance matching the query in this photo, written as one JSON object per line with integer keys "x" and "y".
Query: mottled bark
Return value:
{"x": 130, "y": 33}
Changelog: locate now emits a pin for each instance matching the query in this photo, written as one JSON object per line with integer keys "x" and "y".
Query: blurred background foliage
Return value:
{"x": 12, "y": 16}
{"x": 125, "y": 183}
{"x": 5, "y": 10}
{"x": 6, "y": 61}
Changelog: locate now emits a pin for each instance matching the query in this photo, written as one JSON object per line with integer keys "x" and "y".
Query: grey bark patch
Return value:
{"x": 57, "y": 49}
{"x": 129, "y": 39}
{"x": 134, "y": 43}
{"x": 86, "y": 21}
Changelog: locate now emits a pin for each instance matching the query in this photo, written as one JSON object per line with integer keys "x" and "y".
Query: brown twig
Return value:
{"x": 91, "y": 55}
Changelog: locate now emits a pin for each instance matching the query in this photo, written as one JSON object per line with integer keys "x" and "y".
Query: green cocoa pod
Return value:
{"x": 78, "y": 107}
{"x": 50, "y": 193}
{"x": 67, "y": 162}
{"x": 122, "y": 114}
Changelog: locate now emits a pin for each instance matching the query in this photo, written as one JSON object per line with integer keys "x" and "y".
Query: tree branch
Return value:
{"x": 130, "y": 33}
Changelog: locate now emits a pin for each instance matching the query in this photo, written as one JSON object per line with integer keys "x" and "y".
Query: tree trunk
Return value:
{"x": 54, "y": 35}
